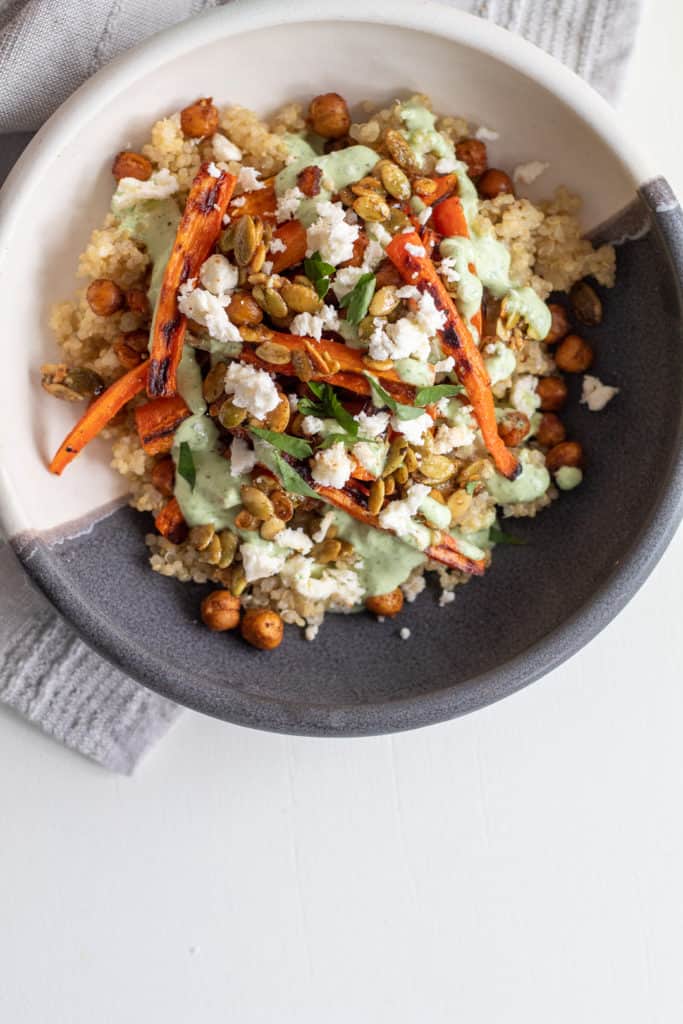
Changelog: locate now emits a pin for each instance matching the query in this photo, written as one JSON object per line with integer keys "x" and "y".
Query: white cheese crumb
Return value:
{"x": 242, "y": 458}
{"x": 219, "y": 276}
{"x": 239, "y": 201}
{"x": 313, "y": 324}
{"x": 416, "y": 250}
{"x": 447, "y": 596}
{"x": 444, "y": 365}
{"x": 129, "y": 191}
{"x": 226, "y": 219}
{"x": 224, "y": 149}
{"x": 248, "y": 180}
{"x": 413, "y": 587}
{"x": 397, "y": 516}
{"x": 297, "y": 540}
{"x": 447, "y": 438}
{"x": 325, "y": 524}
{"x": 341, "y": 587}
{"x": 267, "y": 267}
{"x": 311, "y": 632}
{"x": 485, "y": 134}
{"x": 332, "y": 467}
{"x": 345, "y": 280}
{"x": 424, "y": 215}
{"x": 372, "y": 426}
{"x": 414, "y": 429}
{"x": 523, "y": 395}
{"x": 251, "y": 389}
{"x": 276, "y": 245}
{"x": 446, "y": 165}
{"x": 404, "y": 633}
{"x": 527, "y": 173}
{"x": 206, "y": 309}
{"x": 288, "y": 204}
{"x": 595, "y": 394}
{"x": 311, "y": 425}
{"x": 293, "y": 402}
{"x": 259, "y": 563}
{"x": 447, "y": 269}
{"x": 214, "y": 171}
{"x": 330, "y": 235}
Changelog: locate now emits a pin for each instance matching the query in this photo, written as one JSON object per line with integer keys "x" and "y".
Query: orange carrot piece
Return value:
{"x": 444, "y": 186}
{"x": 157, "y": 422}
{"x": 261, "y": 203}
{"x": 359, "y": 246}
{"x": 98, "y": 414}
{"x": 449, "y": 218}
{"x": 199, "y": 228}
{"x": 456, "y": 341}
{"x": 445, "y": 548}
{"x": 170, "y": 522}
{"x": 360, "y": 472}
{"x": 292, "y": 234}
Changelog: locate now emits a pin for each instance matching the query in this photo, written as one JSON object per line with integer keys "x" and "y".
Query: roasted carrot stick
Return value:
{"x": 199, "y": 228}
{"x": 456, "y": 341}
{"x": 261, "y": 203}
{"x": 445, "y": 548}
{"x": 449, "y": 218}
{"x": 158, "y": 420}
{"x": 292, "y": 234}
{"x": 98, "y": 414}
{"x": 171, "y": 523}
{"x": 444, "y": 184}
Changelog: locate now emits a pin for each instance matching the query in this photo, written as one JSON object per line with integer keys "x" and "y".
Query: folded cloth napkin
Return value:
{"x": 46, "y": 50}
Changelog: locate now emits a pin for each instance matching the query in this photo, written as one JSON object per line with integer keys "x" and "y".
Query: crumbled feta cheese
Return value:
{"x": 413, "y": 587}
{"x": 251, "y": 389}
{"x": 340, "y": 586}
{"x": 447, "y": 270}
{"x": 429, "y": 317}
{"x": 293, "y": 402}
{"x": 224, "y": 149}
{"x": 297, "y": 540}
{"x": 259, "y": 562}
{"x": 242, "y": 457}
{"x": 313, "y": 324}
{"x": 218, "y": 275}
{"x": 214, "y": 171}
{"x": 239, "y": 201}
{"x": 288, "y": 204}
{"x": 404, "y": 633}
{"x": 345, "y": 280}
{"x": 446, "y": 165}
{"x": 373, "y": 425}
{"x": 311, "y": 425}
{"x": 446, "y": 597}
{"x": 447, "y": 438}
{"x": 325, "y": 523}
{"x": 226, "y": 219}
{"x": 523, "y": 395}
{"x": 527, "y": 173}
{"x": 416, "y": 250}
{"x": 424, "y": 215}
{"x": 406, "y": 337}
{"x": 330, "y": 235}
{"x": 332, "y": 467}
{"x": 267, "y": 267}
{"x": 444, "y": 365}
{"x": 206, "y": 309}
{"x": 408, "y": 291}
{"x": 378, "y": 233}
{"x": 248, "y": 180}
{"x": 129, "y": 191}
{"x": 485, "y": 134}
{"x": 371, "y": 455}
{"x": 276, "y": 245}
{"x": 413, "y": 429}
{"x": 311, "y": 631}
{"x": 595, "y": 394}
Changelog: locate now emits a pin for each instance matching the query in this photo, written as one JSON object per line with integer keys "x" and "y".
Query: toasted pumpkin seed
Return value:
{"x": 424, "y": 187}
{"x": 256, "y": 333}
{"x": 282, "y": 506}
{"x": 244, "y": 240}
{"x": 245, "y": 521}
{"x": 273, "y": 353}
{"x": 395, "y": 455}
{"x": 238, "y": 582}
{"x": 477, "y": 470}
{"x": 380, "y": 365}
{"x": 376, "y": 496}
{"x": 398, "y": 220}
{"x": 212, "y": 552}
{"x": 256, "y": 502}
{"x": 271, "y": 528}
{"x": 228, "y": 542}
{"x": 384, "y": 301}
{"x": 230, "y": 415}
{"x": 201, "y": 536}
{"x": 400, "y": 151}
{"x": 389, "y": 486}
{"x": 394, "y": 180}
{"x": 367, "y": 187}
{"x": 271, "y": 301}
{"x": 278, "y": 418}
{"x": 258, "y": 259}
{"x": 458, "y": 503}
{"x": 347, "y": 552}
{"x": 371, "y": 207}
{"x": 267, "y": 484}
{"x": 586, "y": 304}
{"x": 410, "y": 460}
{"x": 401, "y": 475}
{"x": 300, "y": 298}
{"x": 346, "y": 196}
{"x": 213, "y": 385}
{"x": 303, "y": 367}
{"x": 71, "y": 385}
{"x": 328, "y": 551}
{"x": 437, "y": 468}
{"x": 226, "y": 242}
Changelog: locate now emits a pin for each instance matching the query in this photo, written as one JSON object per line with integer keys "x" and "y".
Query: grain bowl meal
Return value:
{"x": 323, "y": 354}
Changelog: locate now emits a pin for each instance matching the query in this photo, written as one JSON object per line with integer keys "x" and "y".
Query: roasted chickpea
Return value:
{"x": 553, "y": 393}
{"x": 473, "y": 153}
{"x": 494, "y": 183}
{"x": 513, "y": 428}
{"x": 137, "y": 301}
{"x": 262, "y": 628}
{"x": 551, "y": 430}
{"x": 104, "y": 297}
{"x": 163, "y": 476}
{"x": 244, "y": 309}
{"x": 574, "y": 354}
{"x": 567, "y": 453}
{"x": 559, "y": 326}
{"x": 387, "y": 605}
{"x": 329, "y": 115}
{"x": 308, "y": 180}
{"x": 199, "y": 119}
{"x": 128, "y": 164}
{"x": 220, "y": 611}
{"x": 387, "y": 274}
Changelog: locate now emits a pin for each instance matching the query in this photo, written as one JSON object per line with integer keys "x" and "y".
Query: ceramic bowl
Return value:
{"x": 541, "y": 602}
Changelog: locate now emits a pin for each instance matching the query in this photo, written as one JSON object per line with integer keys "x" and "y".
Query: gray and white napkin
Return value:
{"x": 47, "y": 48}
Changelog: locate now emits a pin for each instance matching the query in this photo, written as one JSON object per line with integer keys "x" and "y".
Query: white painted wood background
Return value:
{"x": 520, "y": 866}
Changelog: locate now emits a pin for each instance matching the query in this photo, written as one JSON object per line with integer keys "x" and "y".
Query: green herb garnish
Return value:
{"x": 295, "y": 446}
{"x": 329, "y": 405}
{"x": 186, "y": 467}
{"x": 318, "y": 273}
{"x": 357, "y": 301}
{"x": 426, "y": 396}
{"x": 346, "y": 439}
{"x": 471, "y": 486}
{"x": 404, "y": 412}
{"x": 289, "y": 478}
{"x": 498, "y": 537}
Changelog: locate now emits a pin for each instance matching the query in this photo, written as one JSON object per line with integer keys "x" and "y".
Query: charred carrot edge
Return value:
{"x": 444, "y": 185}
{"x": 359, "y": 246}
{"x": 456, "y": 341}
{"x": 170, "y": 521}
{"x": 449, "y": 218}
{"x": 351, "y": 371}
{"x": 292, "y": 234}
{"x": 261, "y": 203}
{"x": 444, "y": 550}
{"x": 158, "y": 420}
{"x": 198, "y": 230}
{"x": 98, "y": 414}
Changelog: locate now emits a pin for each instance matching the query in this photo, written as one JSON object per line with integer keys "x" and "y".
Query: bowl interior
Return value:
{"x": 357, "y": 676}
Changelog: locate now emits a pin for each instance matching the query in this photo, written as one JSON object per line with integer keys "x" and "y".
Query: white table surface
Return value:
{"x": 523, "y": 864}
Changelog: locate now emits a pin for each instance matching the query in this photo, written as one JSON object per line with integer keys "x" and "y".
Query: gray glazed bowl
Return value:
{"x": 541, "y": 602}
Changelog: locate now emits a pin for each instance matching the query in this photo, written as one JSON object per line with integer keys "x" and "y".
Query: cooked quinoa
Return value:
{"x": 415, "y": 172}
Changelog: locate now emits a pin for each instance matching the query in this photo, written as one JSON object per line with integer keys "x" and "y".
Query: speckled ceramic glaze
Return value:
{"x": 542, "y": 601}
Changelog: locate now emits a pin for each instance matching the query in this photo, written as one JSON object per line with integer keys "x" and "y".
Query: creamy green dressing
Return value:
{"x": 412, "y": 371}
{"x": 154, "y": 222}
{"x": 531, "y": 483}
{"x": 339, "y": 169}
{"x": 387, "y": 561}
{"x": 501, "y": 363}
{"x": 568, "y": 477}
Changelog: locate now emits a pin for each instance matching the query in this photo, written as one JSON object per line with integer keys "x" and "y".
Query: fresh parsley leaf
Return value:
{"x": 404, "y": 412}
{"x": 318, "y": 273}
{"x": 498, "y": 537}
{"x": 186, "y": 467}
{"x": 426, "y": 396}
{"x": 308, "y": 408}
{"x": 357, "y": 301}
{"x": 346, "y": 439}
{"x": 290, "y": 479}
{"x": 471, "y": 486}
{"x": 330, "y": 406}
{"x": 295, "y": 446}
